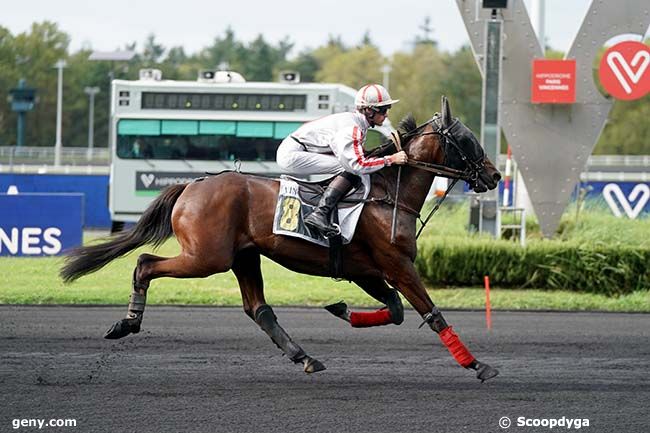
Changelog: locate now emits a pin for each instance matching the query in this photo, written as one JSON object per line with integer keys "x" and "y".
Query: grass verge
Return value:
{"x": 35, "y": 281}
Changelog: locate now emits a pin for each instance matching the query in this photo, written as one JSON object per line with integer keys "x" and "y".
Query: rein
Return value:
{"x": 470, "y": 174}
{"x": 393, "y": 228}
{"x": 435, "y": 208}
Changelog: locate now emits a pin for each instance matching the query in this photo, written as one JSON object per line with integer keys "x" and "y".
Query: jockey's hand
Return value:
{"x": 398, "y": 158}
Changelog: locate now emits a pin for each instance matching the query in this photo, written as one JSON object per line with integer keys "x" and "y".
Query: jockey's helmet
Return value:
{"x": 373, "y": 96}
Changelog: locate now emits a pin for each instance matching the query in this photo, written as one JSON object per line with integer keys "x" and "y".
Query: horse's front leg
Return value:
{"x": 401, "y": 274}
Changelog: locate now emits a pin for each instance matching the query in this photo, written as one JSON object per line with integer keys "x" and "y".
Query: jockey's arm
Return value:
{"x": 348, "y": 147}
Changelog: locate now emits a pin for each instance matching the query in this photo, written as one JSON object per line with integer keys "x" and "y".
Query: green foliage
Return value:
{"x": 599, "y": 254}
{"x": 354, "y": 67}
{"x": 461, "y": 83}
{"x": 604, "y": 269}
{"x": 415, "y": 80}
{"x": 32, "y": 55}
{"x": 628, "y": 129}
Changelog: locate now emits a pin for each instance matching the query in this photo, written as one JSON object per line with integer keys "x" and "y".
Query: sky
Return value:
{"x": 193, "y": 24}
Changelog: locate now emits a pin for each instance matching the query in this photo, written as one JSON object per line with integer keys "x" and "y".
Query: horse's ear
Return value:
{"x": 446, "y": 112}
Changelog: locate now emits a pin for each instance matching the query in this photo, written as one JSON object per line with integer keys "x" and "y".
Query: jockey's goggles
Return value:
{"x": 381, "y": 110}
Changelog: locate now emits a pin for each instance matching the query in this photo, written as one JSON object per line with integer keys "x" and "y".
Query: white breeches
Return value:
{"x": 294, "y": 159}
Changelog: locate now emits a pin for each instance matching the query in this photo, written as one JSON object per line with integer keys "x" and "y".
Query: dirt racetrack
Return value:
{"x": 213, "y": 370}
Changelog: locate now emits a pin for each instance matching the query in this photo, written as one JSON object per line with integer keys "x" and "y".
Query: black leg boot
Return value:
{"x": 319, "y": 219}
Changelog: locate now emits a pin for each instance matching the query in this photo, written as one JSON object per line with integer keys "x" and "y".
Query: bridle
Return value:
{"x": 470, "y": 174}
{"x": 472, "y": 168}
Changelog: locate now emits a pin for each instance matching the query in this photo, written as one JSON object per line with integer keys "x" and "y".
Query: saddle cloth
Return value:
{"x": 298, "y": 198}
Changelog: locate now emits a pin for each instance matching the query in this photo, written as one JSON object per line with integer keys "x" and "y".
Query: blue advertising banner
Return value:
{"x": 625, "y": 199}
{"x": 94, "y": 188}
{"x": 40, "y": 224}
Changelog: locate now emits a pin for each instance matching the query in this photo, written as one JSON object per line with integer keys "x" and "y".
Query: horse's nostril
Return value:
{"x": 496, "y": 176}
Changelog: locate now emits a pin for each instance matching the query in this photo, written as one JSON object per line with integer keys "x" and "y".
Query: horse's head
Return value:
{"x": 449, "y": 149}
{"x": 464, "y": 152}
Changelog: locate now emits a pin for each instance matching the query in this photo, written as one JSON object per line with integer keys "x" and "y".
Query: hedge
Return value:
{"x": 542, "y": 264}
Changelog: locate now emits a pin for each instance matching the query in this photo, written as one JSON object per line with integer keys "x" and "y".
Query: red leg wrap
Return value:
{"x": 456, "y": 347}
{"x": 365, "y": 320}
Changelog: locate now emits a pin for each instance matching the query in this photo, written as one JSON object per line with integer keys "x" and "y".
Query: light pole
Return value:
{"x": 112, "y": 56}
{"x": 386, "y": 71}
{"x": 59, "y": 108}
{"x": 490, "y": 217}
{"x": 91, "y": 92}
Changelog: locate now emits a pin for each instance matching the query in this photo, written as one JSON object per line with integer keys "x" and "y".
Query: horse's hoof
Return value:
{"x": 122, "y": 328}
{"x": 340, "y": 310}
{"x": 485, "y": 372}
{"x": 312, "y": 365}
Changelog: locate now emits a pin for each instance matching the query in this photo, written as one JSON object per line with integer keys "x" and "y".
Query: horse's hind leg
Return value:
{"x": 148, "y": 268}
{"x": 247, "y": 269}
{"x": 378, "y": 289}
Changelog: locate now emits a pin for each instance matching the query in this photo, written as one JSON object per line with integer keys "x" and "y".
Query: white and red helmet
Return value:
{"x": 373, "y": 96}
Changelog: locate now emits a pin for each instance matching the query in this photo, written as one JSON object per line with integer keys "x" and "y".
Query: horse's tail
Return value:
{"x": 154, "y": 227}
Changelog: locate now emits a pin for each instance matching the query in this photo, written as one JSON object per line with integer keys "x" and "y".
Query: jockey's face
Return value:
{"x": 376, "y": 116}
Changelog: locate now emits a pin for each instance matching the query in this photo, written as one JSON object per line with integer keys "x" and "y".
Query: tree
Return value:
{"x": 8, "y": 80}
{"x": 152, "y": 52}
{"x": 427, "y": 29}
{"x": 38, "y": 51}
{"x": 627, "y": 131}
{"x": 262, "y": 61}
{"x": 354, "y": 67}
{"x": 415, "y": 80}
{"x": 366, "y": 40}
{"x": 306, "y": 64}
{"x": 461, "y": 82}
{"x": 310, "y": 62}
{"x": 223, "y": 50}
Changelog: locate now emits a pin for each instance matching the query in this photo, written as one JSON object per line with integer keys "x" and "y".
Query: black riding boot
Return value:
{"x": 319, "y": 219}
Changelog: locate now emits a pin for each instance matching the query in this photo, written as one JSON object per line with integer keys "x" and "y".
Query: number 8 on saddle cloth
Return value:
{"x": 298, "y": 198}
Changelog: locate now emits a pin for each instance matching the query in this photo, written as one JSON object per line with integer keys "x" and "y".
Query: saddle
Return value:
{"x": 297, "y": 198}
{"x": 310, "y": 192}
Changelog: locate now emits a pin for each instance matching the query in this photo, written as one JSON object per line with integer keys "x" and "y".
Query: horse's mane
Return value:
{"x": 406, "y": 125}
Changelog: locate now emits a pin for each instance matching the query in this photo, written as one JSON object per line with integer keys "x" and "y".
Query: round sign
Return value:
{"x": 625, "y": 70}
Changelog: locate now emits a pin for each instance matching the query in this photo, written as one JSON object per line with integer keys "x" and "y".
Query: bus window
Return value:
{"x": 197, "y": 147}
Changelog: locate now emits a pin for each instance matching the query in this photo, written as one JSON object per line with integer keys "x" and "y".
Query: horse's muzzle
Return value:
{"x": 487, "y": 181}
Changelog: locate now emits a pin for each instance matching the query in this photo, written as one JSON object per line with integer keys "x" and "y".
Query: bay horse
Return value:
{"x": 224, "y": 222}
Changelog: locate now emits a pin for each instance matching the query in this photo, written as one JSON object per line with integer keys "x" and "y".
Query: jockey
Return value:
{"x": 334, "y": 144}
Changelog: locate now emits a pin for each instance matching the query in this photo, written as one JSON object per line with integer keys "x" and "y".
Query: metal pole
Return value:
{"x": 386, "y": 71}
{"x": 490, "y": 220}
{"x": 111, "y": 77}
{"x": 91, "y": 121}
{"x": 113, "y": 56}
{"x": 59, "y": 108}
{"x": 20, "y": 140}
{"x": 91, "y": 92}
{"x": 21, "y": 129}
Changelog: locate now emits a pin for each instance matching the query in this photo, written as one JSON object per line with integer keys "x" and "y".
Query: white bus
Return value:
{"x": 165, "y": 132}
